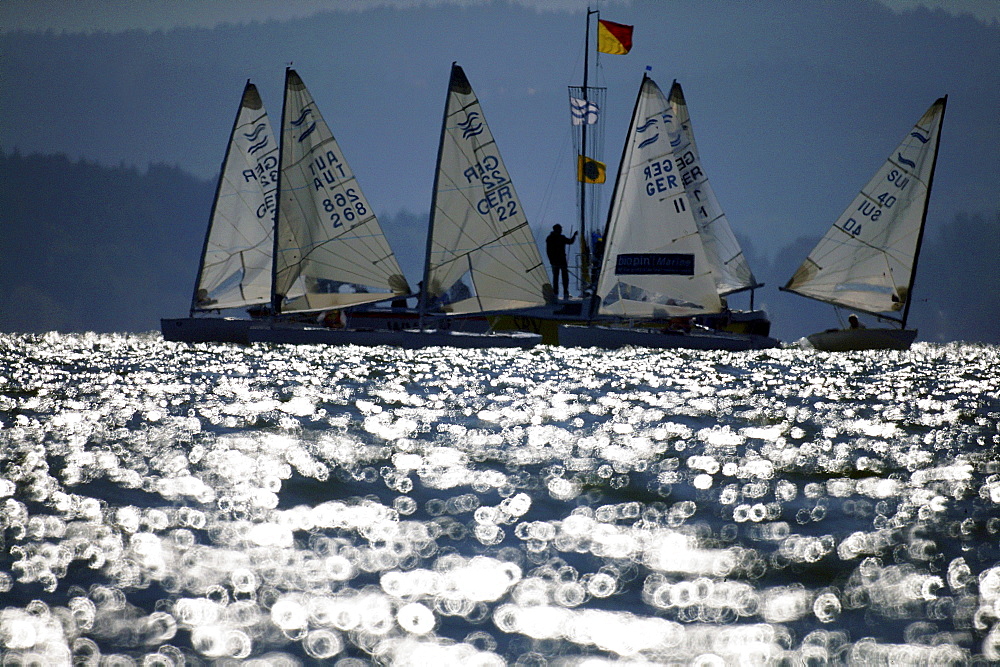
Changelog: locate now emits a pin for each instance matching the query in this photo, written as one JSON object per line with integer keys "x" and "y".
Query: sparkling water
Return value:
{"x": 163, "y": 503}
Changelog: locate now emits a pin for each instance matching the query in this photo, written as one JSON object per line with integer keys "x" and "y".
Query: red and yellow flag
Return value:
{"x": 614, "y": 38}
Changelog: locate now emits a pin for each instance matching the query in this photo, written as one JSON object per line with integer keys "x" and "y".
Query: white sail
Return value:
{"x": 235, "y": 270}
{"x": 867, "y": 258}
{"x": 481, "y": 253}
{"x": 654, "y": 263}
{"x": 723, "y": 251}
{"x": 328, "y": 238}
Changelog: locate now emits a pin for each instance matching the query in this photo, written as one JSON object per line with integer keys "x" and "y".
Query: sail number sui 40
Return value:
{"x": 873, "y": 211}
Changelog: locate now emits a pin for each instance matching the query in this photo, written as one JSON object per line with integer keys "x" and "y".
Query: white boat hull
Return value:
{"x": 698, "y": 339}
{"x": 847, "y": 340}
{"x": 224, "y": 330}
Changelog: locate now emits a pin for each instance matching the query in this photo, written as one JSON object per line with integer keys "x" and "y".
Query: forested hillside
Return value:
{"x": 91, "y": 248}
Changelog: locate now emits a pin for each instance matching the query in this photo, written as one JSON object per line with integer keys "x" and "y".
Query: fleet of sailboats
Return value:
{"x": 293, "y": 241}
{"x": 868, "y": 259}
{"x": 329, "y": 252}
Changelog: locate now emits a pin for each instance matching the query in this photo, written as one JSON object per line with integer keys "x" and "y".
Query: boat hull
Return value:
{"x": 206, "y": 330}
{"x": 848, "y": 340}
{"x": 410, "y": 339}
{"x": 403, "y": 320}
{"x": 742, "y": 329}
{"x": 226, "y": 330}
{"x": 615, "y": 337}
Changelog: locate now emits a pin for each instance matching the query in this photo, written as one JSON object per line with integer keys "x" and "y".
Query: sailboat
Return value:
{"x": 481, "y": 254}
{"x": 235, "y": 266}
{"x": 481, "y": 257}
{"x": 868, "y": 259}
{"x": 329, "y": 249}
{"x": 723, "y": 252}
{"x": 661, "y": 268}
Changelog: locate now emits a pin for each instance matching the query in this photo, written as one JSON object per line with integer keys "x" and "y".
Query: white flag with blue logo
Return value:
{"x": 583, "y": 111}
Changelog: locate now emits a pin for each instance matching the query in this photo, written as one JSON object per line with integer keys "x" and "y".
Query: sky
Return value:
{"x": 117, "y": 15}
{"x": 794, "y": 104}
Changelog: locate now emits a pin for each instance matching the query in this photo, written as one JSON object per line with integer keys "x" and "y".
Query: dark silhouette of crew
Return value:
{"x": 555, "y": 248}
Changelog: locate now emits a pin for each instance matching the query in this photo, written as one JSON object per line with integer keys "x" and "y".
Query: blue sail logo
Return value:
{"x": 258, "y": 146}
{"x": 254, "y": 136}
{"x": 302, "y": 119}
{"x": 651, "y": 123}
{"x": 471, "y": 127}
{"x": 922, "y": 138}
{"x": 256, "y": 132}
{"x": 645, "y": 126}
{"x": 647, "y": 142}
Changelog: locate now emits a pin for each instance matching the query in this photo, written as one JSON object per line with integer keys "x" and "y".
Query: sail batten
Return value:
{"x": 867, "y": 259}
{"x": 327, "y": 235}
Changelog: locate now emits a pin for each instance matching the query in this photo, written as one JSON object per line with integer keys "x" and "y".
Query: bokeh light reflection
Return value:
{"x": 164, "y": 504}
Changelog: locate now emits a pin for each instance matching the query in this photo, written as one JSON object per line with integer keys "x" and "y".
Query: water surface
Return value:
{"x": 162, "y": 502}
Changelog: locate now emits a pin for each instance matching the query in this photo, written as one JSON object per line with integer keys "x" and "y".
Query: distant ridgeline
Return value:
{"x": 92, "y": 248}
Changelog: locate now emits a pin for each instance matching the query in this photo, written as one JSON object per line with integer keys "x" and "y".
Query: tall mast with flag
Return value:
{"x": 586, "y": 104}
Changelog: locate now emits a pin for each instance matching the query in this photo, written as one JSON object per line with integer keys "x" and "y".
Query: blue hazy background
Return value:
{"x": 114, "y": 119}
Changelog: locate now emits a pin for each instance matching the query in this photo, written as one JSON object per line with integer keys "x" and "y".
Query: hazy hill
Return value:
{"x": 92, "y": 248}
{"x": 87, "y": 247}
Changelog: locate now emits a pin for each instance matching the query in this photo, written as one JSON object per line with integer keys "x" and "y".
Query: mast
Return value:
{"x": 215, "y": 203}
{"x": 923, "y": 218}
{"x": 275, "y": 297}
{"x": 614, "y": 191}
{"x": 424, "y": 293}
{"x": 586, "y": 269}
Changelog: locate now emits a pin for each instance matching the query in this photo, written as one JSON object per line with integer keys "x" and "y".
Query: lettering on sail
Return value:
{"x": 654, "y": 264}
{"x": 326, "y": 168}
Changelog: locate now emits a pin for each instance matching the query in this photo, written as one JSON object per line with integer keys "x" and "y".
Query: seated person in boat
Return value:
{"x": 854, "y": 322}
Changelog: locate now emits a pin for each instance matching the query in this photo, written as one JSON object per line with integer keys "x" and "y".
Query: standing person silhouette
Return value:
{"x": 555, "y": 248}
